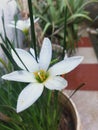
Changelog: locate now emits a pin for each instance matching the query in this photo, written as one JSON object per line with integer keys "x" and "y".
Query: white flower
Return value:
{"x": 39, "y": 75}
{"x": 22, "y": 25}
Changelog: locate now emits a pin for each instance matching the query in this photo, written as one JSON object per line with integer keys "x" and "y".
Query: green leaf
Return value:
{"x": 88, "y": 2}
{"x": 4, "y": 64}
{"x": 45, "y": 28}
{"x": 75, "y": 16}
{"x": 52, "y": 10}
{"x": 69, "y": 7}
{"x": 9, "y": 56}
{"x": 11, "y": 46}
{"x": 3, "y": 127}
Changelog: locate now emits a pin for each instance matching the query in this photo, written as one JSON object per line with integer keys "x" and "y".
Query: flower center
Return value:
{"x": 26, "y": 31}
{"x": 41, "y": 75}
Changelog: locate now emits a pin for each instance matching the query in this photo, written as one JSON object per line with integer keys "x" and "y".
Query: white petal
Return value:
{"x": 28, "y": 96}
{"x": 36, "y": 20}
{"x": 27, "y": 59}
{"x": 26, "y": 22}
{"x": 11, "y": 25}
{"x": 20, "y": 24}
{"x": 21, "y": 76}
{"x": 56, "y": 83}
{"x": 66, "y": 65}
{"x": 45, "y": 54}
{"x": 32, "y": 52}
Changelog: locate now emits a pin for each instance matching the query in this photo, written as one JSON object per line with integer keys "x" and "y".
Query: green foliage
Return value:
{"x": 40, "y": 116}
{"x": 52, "y": 13}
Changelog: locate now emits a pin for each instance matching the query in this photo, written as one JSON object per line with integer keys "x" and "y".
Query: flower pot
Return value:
{"x": 70, "y": 118}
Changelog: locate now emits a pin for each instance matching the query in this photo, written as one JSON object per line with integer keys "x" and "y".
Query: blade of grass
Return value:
{"x": 69, "y": 7}
{"x": 16, "y": 33}
{"x": 9, "y": 56}
{"x": 3, "y": 22}
{"x": 87, "y": 3}
{"x": 45, "y": 28}
{"x": 74, "y": 16}
{"x": 16, "y": 52}
{"x": 52, "y": 10}
{"x": 4, "y": 64}
{"x": 3, "y": 127}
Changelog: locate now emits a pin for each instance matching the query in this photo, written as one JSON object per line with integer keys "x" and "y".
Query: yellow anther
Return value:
{"x": 41, "y": 75}
{"x": 26, "y": 31}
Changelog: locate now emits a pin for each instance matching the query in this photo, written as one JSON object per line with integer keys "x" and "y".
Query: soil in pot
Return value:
{"x": 69, "y": 117}
{"x": 66, "y": 122}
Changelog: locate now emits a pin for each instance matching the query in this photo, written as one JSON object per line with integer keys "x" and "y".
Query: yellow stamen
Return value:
{"x": 41, "y": 76}
{"x": 26, "y": 31}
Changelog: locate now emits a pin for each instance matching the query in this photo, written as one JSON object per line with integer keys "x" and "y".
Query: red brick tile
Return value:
{"x": 84, "y": 73}
{"x": 85, "y": 42}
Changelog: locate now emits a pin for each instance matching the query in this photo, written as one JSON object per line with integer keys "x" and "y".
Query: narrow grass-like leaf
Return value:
{"x": 96, "y": 18}
{"x": 74, "y": 16}
{"x": 9, "y": 56}
{"x": 78, "y": 3}
{"x": 3, "y": 127}
{"x": 69, "y": 7}
{"x": 45, "y": 28}
{"x": 16, "y": 53}
{"x": 4, "y": 64}
{"x": 87, "y": 3}
{"x": 4, "y": 39}
{"x": 52, "y": 10}
{"x": 42, "y": 17}
{"x": 16, "y": 34}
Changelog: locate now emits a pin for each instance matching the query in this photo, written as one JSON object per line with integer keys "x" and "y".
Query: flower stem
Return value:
{"x": 33, "y": 38}
{"x": 65, "y": 23}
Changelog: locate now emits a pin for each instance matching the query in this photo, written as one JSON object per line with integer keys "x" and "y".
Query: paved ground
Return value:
{"x": 86, "y": 99}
